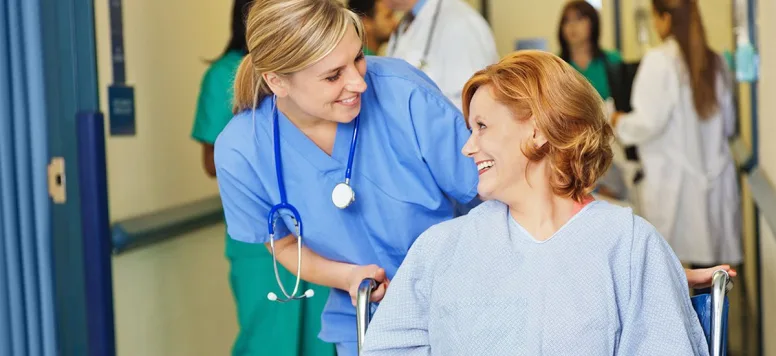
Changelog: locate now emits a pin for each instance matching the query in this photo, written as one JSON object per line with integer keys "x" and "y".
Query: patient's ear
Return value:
{"x": 539, "y": 139}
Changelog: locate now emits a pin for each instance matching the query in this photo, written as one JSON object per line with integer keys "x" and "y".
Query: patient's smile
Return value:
{"x": 484, "y": 166}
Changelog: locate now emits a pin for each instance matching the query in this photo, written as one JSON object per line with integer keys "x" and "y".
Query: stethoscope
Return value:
{"x": 423, "y": 63}
{"x": 342, "y": 196}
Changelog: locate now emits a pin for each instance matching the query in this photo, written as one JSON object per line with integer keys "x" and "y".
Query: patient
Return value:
{"x": 540, "y": 268}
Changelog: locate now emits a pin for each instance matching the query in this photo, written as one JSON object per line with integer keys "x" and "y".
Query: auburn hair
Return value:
{"x": 566, "y": 109}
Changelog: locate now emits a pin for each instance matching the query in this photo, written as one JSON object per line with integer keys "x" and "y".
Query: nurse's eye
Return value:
{"x": 333, "y": 78}
{"x": 481, "y": 126}
{"x": 360, "y": 57}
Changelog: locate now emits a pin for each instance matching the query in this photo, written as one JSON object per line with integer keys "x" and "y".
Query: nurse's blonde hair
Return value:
{"x": 286, "y": 36}
{"x": 566, "y": 109}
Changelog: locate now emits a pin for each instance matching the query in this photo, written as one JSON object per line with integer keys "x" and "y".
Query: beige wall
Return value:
{"x": 512, "y": 19}
{"x": 516, "y": 19}
{"x": 767, "y": 125}
{"x": 171, "y": 298}
{"x": 166, "y": 45}
{"x": 768, "y": 283}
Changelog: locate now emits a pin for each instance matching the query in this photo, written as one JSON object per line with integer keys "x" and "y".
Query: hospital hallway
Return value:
{"x": 112, "y": 232}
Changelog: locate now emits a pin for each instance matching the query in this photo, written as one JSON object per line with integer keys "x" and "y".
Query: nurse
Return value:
{"x": 264, "y": 328}
{"x": 306, "y": 88}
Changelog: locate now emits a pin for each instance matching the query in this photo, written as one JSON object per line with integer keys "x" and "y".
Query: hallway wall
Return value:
{"x": 513, "y": 19}
{"x": 168, "y": 44}
{"x": 171, "y": 298}
{"x": 767, "y": 147}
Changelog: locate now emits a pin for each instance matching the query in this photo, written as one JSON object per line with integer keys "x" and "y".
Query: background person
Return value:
{"x": 446, "y": 39}
{"x": 683, "y": 115}
{"x": 379, "y": 22}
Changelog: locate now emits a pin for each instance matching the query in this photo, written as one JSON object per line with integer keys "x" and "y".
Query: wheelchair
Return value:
{"x": 711, "y": 308}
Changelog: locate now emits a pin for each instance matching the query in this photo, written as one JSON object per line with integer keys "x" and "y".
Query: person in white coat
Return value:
{"x": 446, "y": 39}
{"x": 682, "y": 116}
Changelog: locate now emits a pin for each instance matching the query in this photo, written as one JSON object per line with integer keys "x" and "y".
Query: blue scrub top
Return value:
{"x": 408, "y": 169}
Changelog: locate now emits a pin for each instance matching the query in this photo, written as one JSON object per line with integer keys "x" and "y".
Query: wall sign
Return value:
{"x": 121, "y": 97}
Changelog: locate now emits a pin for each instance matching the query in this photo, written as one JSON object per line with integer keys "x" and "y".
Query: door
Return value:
{"x": 83, "y": 322}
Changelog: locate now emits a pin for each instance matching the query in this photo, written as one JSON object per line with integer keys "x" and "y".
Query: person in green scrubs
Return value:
{"x": 379, "y": 22}
{"x": 265, "y": 327}
{"x": 578, "y": 34}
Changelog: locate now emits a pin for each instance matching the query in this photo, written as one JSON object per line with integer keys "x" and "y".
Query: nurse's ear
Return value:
{"x": 277, "y": 83}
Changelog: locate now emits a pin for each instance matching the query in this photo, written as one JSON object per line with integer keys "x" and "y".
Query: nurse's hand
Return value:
{"x": 359, "y": 273}
{"x": 701, "y": 278}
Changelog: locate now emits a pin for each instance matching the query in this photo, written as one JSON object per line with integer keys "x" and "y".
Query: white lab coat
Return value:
{"x": 460, "y": 45}
{"x": 690, "y": 190}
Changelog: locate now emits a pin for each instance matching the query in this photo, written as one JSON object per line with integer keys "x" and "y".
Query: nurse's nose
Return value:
{"x": 471, "y": 147}
{"x": 355, "y": 83}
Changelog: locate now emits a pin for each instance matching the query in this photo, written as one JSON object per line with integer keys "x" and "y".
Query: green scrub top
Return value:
{"x": 368, "y": 52}
{"x": 214, "y": 110}
{"x": 266, "y": 328}
{"x": 596, "y": 72}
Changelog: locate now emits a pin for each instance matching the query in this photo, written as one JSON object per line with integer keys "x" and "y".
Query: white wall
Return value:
{"x": 171, "y": 298}
{"x": 767, "y": 146}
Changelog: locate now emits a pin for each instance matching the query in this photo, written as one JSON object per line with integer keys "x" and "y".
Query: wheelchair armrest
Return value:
{"x": 363, "y": 308}
{"x": 720, "y": 285}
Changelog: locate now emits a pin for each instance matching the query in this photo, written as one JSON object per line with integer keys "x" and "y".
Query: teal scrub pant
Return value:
{"x": 272, "y": 328}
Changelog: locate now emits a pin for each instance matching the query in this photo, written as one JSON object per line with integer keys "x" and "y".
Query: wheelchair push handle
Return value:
{"x": 364, "y": 308}
{"x": 720, "y": 285}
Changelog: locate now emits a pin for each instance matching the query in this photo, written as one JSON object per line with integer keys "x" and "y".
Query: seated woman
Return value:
{"x": 540, "y": 268}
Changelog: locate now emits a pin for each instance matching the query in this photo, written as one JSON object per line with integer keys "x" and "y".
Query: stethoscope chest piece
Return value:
{"x": 343, "y": 195}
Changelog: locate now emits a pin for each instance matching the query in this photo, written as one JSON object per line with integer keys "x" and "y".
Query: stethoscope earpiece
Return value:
{"x": 274, "y": 297}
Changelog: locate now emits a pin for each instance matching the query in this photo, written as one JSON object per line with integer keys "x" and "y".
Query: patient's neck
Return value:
{"x": 537, "y": 208}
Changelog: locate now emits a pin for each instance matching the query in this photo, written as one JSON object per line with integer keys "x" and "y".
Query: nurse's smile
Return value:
{"x": 351, "y": 102}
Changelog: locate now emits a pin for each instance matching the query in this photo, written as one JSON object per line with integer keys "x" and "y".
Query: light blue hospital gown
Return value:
{"x": 605, "y": 284}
